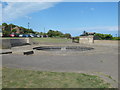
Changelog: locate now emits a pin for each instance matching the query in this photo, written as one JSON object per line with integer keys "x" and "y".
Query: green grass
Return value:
{"x": 44, "y": 40}
{"x": 51, "y": 40}
{"x": 17, "y": 78}
{"x": 116, "y": 38}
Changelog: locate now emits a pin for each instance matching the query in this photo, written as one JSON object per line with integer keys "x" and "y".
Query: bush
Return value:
{"x": 103, "y": 36}
{"x": 116, "y": 38}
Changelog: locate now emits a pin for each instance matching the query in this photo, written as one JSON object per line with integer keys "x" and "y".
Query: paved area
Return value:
{"x": 103, "y": 59}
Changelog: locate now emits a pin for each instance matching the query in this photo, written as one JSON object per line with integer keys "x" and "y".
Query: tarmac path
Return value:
{"x": 103, "y": 59}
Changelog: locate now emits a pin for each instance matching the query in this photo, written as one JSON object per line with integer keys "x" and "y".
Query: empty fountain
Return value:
{"x": 63, "y": 48}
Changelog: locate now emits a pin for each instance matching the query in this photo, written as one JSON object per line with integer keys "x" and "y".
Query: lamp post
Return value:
{"x": 28, "y": 25}
{"x": 44, "y": 30}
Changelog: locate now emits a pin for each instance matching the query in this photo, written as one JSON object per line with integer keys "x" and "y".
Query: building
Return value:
{"x": 90, "y": 33}
{"x": 87, "y": 38}
{"x": 18, "y": 30}
{"x": 87, "y": 33}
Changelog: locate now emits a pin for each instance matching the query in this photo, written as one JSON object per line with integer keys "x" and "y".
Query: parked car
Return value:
{"x": 26, "y": 35}
{"x": 16, "y": 35}
{"x": 34, "y": 35}
{"x": 21, "y": 35}
{"x": 38, "y": 35}
{"x": 45, "y": 36}
{"x": 31, "y": 35}
{"x": 5, "y": 35}
{"x": 12, "y": 35}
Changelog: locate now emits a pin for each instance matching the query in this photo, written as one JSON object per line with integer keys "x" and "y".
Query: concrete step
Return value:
{"x": 5, "y": 51}
{"x": 28, "y": 52}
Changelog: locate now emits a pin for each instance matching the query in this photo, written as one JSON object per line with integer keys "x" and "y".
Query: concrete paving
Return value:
{"x": 103, "y": 59}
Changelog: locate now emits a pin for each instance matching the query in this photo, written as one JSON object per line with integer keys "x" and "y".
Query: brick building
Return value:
{"x": 18, "y": 30}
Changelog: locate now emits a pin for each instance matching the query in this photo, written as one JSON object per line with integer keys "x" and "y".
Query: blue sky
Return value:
{"x": 67, "y": 17}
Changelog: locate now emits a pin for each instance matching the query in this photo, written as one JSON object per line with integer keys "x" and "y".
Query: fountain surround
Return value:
{"x": 63, "y": 48}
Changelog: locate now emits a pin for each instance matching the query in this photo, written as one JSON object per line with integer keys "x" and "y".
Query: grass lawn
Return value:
{"x": 43, "y": 40}
{"x": 17, "y": 78}
{"x": 51, "y": 40}
{"x": 11, "y": 37}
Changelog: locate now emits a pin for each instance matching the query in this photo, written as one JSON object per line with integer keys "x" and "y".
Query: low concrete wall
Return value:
{"x": 106, "y": 41}
{"x": 5, "y": 44}
{"x": 19, "y": 42}
{"x": 86, "y": 40}
{"x": 90, "y": 40}
{"x": 8, "y": 43}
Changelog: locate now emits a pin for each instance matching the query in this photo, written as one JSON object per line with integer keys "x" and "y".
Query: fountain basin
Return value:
{"x": 63, "y": 48}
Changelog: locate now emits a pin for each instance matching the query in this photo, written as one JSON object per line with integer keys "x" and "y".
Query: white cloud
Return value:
{"x": 32, "y": 0}
{"x": 94, "y": 29}
{"x": 92, "y": 9}
{"x": 60, "y": 0}
{"x": 28, "y": 17}
{"x": 97, "y": 29}
{"x": 19, "y": 9}
{"x": 91, "y": 0}
{"x": 102, "y": 28}
{"x": 0, "y": 13}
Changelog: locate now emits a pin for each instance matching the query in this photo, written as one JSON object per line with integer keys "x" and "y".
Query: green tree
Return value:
{"x": 103, "y": 36}
{"x": 67, "y": 35}
{"x": 6, "y": 33}
{"x": 6, "y": 29}
{"x": 41, "y": 33}
{"x": 14, "y": 30}
{"x": 108, "y": 37}
{"x": 12, "y": 25}
{"x": 52, "y": 33}
{"x": 4, "y": 24}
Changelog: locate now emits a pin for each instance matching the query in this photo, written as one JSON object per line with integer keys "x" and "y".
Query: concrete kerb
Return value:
{"x": 5, "y": 51}
{"x": 23, "y": 52}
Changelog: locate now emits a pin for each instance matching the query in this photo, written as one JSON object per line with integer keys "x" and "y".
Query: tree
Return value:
{"x": 52, "y": 33}
{"x": 4, "y": 24}
{"x": 6, "y": 33}
{"x": 67, "y": 35}
{"x": 6, "y": 29}
{"x": 14, "y": 30}
{"x": 41, "y": 33}
{"x": 12, "y": 25}
{"x": 103, "y": 36}
{"x": 108, "y": 37}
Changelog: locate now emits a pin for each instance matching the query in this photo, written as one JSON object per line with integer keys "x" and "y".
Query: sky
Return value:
{"x": 67, "y": 17}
